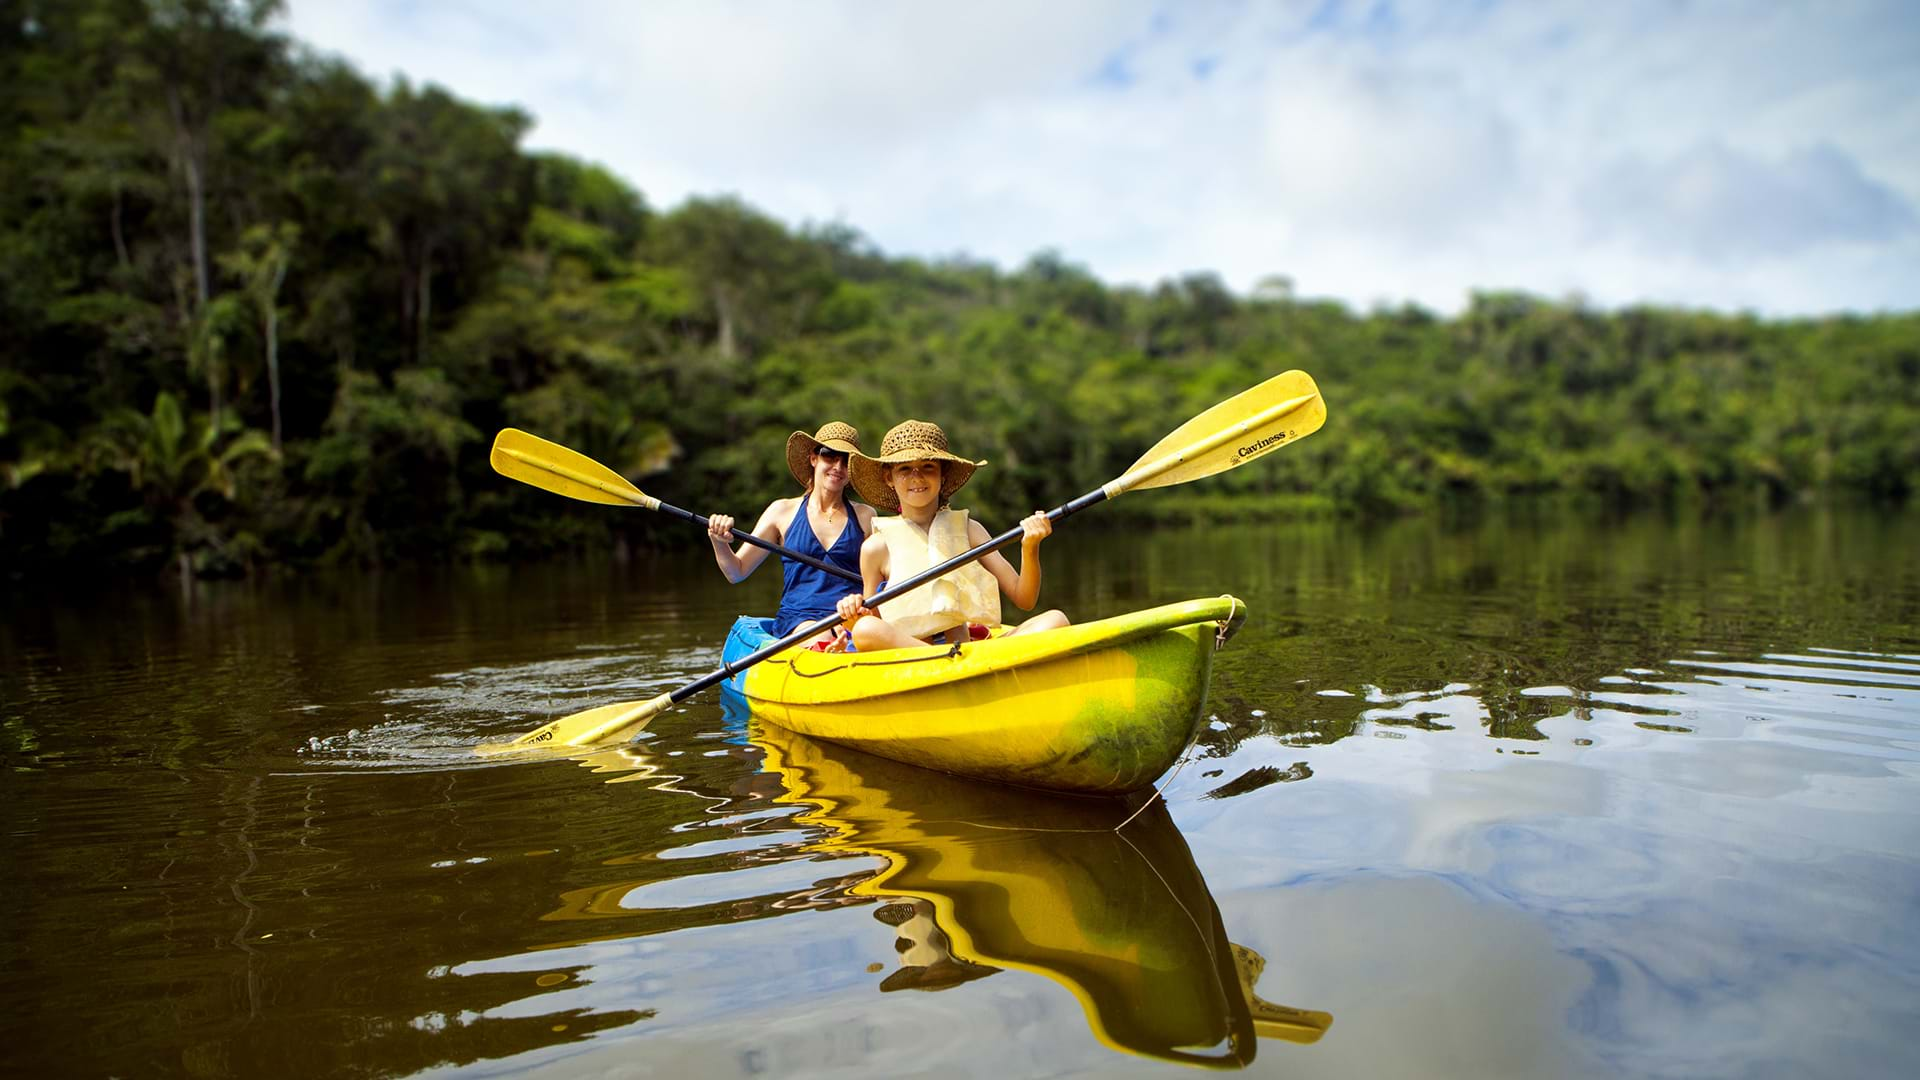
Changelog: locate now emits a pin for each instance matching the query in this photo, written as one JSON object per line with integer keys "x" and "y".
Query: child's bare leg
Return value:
{"x": 1046, "y": 620}
{"x": 874, "y": 634}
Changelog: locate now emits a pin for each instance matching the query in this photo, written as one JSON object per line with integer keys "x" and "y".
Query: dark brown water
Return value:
{"x": 1521, "y": 800}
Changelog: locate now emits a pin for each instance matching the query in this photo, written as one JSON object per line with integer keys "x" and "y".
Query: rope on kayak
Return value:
{"x": 1226, "y": 625}
{"x": 1158, "y": 790}
{"x": 836, "y": 669}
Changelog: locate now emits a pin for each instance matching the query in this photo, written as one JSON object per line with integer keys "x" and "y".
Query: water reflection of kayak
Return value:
{"x": 979, "y": 878}
{"x": 1101, "y": 708}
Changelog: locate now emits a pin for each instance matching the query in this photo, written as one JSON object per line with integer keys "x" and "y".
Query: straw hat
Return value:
{"x": 833, "y": 435}
{"x": 909, "y": 440}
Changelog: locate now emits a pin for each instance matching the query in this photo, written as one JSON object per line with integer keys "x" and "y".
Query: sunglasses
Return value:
{"x": 832, "y": 457}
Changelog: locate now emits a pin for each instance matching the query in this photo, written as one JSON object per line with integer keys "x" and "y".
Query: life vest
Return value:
{"x": 969, "y": 594}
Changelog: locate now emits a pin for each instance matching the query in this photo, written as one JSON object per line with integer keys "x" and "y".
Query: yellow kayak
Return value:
{"x": 1099, "y": 708}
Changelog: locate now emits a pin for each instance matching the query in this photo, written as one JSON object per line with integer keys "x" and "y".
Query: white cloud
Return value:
{"x": 1719, "y": 205}
{"x": 1756, "y": 156}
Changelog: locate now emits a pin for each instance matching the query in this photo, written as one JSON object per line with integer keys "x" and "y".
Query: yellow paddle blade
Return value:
{"x": 1245, "y": 427}
{"x": 608, "y": 723}
{"x": 531, "y": 459}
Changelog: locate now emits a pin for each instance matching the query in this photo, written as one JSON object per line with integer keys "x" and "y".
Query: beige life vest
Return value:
{"x": 969, "y": 594}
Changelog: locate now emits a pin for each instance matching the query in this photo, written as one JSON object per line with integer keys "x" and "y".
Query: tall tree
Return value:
{"x": 757, "y": 277}
{"x": 189, "y": 62}
{"x": 260, "y": 267}
{"x": 448, "y": 189}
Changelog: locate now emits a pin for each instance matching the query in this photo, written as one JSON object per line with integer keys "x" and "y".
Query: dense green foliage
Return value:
{"x": 254, "y": 307}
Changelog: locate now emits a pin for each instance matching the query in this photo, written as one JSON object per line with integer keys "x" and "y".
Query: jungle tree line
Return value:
{"x": 255, "y": 307}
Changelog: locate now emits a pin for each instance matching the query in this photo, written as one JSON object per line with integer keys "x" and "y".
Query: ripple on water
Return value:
{"x": 436, "y": 725}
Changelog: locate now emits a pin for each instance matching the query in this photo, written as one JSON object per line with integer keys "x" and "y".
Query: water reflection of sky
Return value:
{"x": 1732, "y": 891}
{"x": 1660, "y": 877}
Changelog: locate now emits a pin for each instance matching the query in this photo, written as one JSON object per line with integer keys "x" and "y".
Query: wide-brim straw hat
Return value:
{"x": 833, "y": 435}
{"x": 909, "y": 440}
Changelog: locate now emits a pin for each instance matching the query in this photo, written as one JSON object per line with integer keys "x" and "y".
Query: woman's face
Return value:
{"x": 916, "y": 484}
{"x": 829, "y": 470}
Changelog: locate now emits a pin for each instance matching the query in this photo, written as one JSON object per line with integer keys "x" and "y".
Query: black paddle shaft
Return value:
{"x": 785, "y": 552}
{"x": 1097, "y": 495}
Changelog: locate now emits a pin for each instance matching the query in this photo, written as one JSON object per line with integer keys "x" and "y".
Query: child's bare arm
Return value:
{"x": 1022, "y": 586}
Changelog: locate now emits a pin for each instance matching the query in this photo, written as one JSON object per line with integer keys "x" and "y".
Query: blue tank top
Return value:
{"x": 808, "y": 594}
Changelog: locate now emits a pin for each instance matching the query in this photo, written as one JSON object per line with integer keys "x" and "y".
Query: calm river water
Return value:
{"x": 1513, "y": 799}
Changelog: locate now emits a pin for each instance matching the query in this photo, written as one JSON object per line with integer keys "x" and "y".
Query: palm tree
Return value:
{"x": 172, "y": 459}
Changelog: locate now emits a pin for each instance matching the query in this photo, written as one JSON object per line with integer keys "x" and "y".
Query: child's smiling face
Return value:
{"x": 916, "y": 483}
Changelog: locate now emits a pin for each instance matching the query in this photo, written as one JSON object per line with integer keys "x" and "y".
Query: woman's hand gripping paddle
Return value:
{"x": 1248, "y": 426}
{"x": 549, "y": 466}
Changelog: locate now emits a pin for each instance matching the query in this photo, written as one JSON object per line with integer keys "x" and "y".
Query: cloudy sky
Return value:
{"x": 1762, "y": 155}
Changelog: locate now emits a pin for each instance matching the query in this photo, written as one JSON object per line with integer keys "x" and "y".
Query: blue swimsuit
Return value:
{"x": 808, "y": 594}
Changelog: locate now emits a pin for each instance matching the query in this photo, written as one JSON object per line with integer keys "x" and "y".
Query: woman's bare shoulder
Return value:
{"x": 779, "y": 512}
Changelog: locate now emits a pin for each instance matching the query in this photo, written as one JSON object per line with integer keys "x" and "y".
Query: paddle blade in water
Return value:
{"x": 1270, "y": 1020}
{"x": 1244, "y": 428}
{"x": 608, "y": 723}
{"x": 549, "y": 466}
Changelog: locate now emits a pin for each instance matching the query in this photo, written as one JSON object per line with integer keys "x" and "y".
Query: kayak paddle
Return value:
{"x": 1248, "y": 426}
{"x": 551, "y": 467}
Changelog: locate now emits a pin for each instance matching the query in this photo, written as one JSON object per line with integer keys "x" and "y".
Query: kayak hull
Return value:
{"x": 1101, "y": 708}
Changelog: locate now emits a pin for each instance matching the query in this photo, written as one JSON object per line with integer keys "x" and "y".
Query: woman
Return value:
{"x": 820, "y": 522}
{"x": 917, "y": 475}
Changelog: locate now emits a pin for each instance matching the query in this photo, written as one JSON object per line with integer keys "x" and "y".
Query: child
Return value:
{"x": 916, "y": 474}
